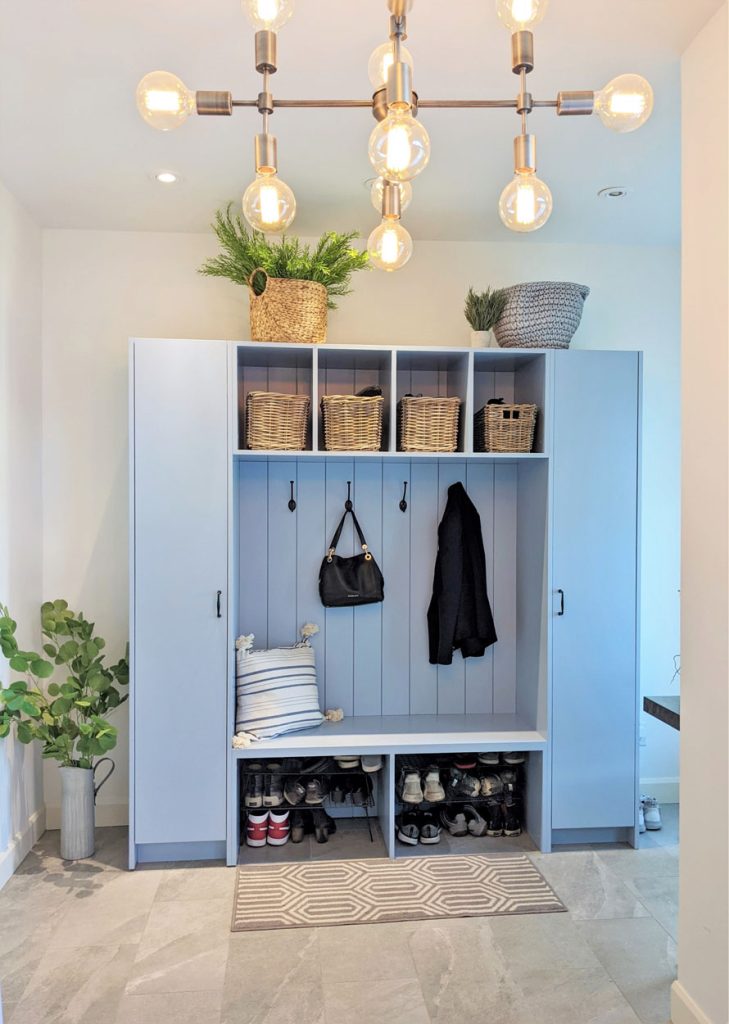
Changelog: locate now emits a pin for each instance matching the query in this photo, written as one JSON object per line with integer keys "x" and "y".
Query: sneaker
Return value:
{"x": 455, "y": 823}
{"x": 408, "y": 830}
{"x": 313, "y": 766}
{"x": 460, "y": 784}
{"x": 641, "y": 818}
{"x": 347, "y": 761}
{"x": 361, "y": 792}
{"x": 273, "y": 791}
{"x": 294, "y": 791}
{"x": 494, "y": 818}
{"x": 512, "y": 820}
{"x": 254, "y": 791}
{"x": 411, "y": 792}
{"x": 477, "y": 825}
{"x": 297, "y": 827}
{"x": 651, "y": 813}
{"x": 433, "y": 790}
{"x": 489, "y": 757}
{"x": 257, "y": 829}
{"x": 324, "y": 826}
{"x": 465, "y": 762}
{"x": 341, "y": 789}
{"x": 429, "y": 829}
{"x": 278, "y": 828}
{"x": 371, "y": 762}
{"x": 316, "y": 791}
{"x": 514, "y": 757}
{"x": 491, "y": 785}
{"x": 510, "y": 783}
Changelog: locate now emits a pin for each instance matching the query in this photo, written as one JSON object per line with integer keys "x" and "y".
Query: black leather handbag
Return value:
{"x": 350, "y": 581}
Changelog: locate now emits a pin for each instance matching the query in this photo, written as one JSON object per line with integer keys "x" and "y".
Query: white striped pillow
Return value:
{"x": 276, "y": 691}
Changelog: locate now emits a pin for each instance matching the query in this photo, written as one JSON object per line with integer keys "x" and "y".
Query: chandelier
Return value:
{"x": 399, "y": 146}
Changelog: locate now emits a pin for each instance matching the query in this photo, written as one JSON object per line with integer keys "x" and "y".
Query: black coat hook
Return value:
{"x": 348, "y": 502}
{"x": 403, "y": 502}
{"x": 292, "y": 501}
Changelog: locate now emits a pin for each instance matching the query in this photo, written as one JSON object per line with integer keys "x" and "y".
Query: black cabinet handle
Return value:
{"x": 220, "y": 594}
{"x": 561, "y": 602}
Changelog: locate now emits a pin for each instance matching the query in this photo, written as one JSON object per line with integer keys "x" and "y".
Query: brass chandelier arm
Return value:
{"x": 367, "y": 104}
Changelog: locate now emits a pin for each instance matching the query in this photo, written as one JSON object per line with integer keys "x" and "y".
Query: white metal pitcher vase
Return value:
{"x": 78, "y": 796}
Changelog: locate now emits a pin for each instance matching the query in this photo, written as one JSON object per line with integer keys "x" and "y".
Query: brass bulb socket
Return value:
{"x": 575, "y": 103}
{"x": 399, "y": 86}
{"x": 265, "y": 103}
{"x": 391, "y": 202}
{"x": 399, "y": 8}
{"x": 524, "y": 103}
{"x": 525, "y": 154}
{"x": 380, "y": 109}
{"x": 522, "y": 52}
{"x": 213, "y": 102}
{"x": 266, "y": 147}
{"x": 266, "y": 51}
{"x": 398, "y": 26}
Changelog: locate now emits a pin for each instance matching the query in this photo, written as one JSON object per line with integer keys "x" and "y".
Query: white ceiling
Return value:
{"x": 74, "y": 150}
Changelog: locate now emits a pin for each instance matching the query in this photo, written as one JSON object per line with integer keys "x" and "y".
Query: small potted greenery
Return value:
{"x": 291, "y": 285}
{"x": 483, "y": 310}
{"x": 70, "y": 717}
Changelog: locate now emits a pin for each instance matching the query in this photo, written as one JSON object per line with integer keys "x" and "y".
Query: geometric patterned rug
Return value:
{"x": 318, "y": 893}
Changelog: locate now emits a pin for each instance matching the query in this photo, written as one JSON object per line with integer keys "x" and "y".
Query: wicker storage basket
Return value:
{"x": 429, "y": 424}
{"x": 352, "y": 422}
{"x": 276, "y": 422}
{"x": 288, "y": 310}
{"x": 505, "y": 428}
{"x": 541, "y": 314}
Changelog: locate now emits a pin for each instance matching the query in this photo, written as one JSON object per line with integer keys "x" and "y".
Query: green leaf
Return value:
{"x": 25, "y": 733}
{"x": 68, "y": 650}
{"x": 19, "y": 686}
{"x": 41, "y": 668}
{"x": 4, "y": 729}
{"x": 51, "y": 650}
{"x": 83, "y": 703}
{"x": 54, "y": 689}
{"x": 18, "y": 663}
{"x": 61, "y": 706}
{"x": 60, "y": 606}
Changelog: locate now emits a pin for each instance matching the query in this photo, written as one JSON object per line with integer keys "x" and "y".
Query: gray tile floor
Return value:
{"x": 90, "y": 943}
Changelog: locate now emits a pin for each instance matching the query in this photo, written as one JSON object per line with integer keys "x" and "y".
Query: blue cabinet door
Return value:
{"x": 595, "y": 563}
{"x": 179, "y": 538}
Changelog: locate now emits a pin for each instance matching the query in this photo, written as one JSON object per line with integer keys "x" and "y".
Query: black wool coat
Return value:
{"x": 459, "y": 616}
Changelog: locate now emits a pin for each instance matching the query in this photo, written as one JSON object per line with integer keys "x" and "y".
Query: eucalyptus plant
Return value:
{"x": 331, "y": 262}
{"x": 69, "y": 715}
{"x": 484, "y": 309}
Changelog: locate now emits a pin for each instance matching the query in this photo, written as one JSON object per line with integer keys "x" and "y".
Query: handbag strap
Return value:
{"x": 338, "y": 533}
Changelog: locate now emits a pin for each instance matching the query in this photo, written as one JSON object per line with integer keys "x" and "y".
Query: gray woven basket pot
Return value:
{"x": 541, "y": 314}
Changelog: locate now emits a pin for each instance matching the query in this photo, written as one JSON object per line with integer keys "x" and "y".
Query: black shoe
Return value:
{"x": 462, "y": 784}
{"x": 454, "y": 821}
{"x": 339, "y": 794}
{"x": 494, "y": 818}
{"x": 513, "y": 757}
{"x": 429, "y": 828}
{"x": 316, "y": 791}
{"x": 361, "y": 792}
{"x": 324, "y": 826}
{"x": 294, "y": 791}
{"x": 254, "y": 791}
{"x": 273, "y": 791}
{"x": 297, "y": 827}
{"x": 408, "y": 829}
{"x": 320, "y": 764}
{"x": 512, "y": 820}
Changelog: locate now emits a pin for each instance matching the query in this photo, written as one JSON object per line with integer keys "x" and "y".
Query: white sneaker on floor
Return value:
{"x": 652, "y": 813}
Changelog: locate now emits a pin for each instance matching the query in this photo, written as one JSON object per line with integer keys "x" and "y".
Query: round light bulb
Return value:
{"x": 269, "y": 204}
{"x": 399, "y": 147}
{"x": 269, "y": 15}
{"x": 625, "y": 104}
{"x": 382, "y": 59}
{"x": 164, "y": 101}
{"x": 390, "y": 245}
{"x": 525, "y": 203}
{"x": 406, "y": 194}
{"x": 518, "y": 15}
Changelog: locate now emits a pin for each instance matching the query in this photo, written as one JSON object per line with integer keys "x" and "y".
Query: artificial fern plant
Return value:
{"x": 331, "y": 262}
{"x": 484, "y": 309}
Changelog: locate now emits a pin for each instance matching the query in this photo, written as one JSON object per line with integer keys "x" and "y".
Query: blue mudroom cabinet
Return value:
{"x": 216, "y": 552}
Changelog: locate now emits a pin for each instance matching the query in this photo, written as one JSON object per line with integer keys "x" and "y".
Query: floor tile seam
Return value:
{"x": 658, "y": 922}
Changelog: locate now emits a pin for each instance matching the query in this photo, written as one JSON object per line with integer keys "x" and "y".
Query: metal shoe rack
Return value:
{"x": 445, "y": 764}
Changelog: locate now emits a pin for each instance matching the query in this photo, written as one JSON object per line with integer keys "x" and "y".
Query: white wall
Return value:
{"x": 701, "y": 995}
{"x": 102, "y": 287}
{"x": 21, "y": 797}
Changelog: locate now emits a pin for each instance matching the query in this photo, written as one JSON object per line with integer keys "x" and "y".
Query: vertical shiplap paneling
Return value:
{"x": 423, "y": 545}
{"x": 339, "y": 621}
{"x": 396, "y": 570}
{"x": 451, "y": 678}
{"x": 311, "y": 545}
{"x": 368, "y": 618}
{"x": 282, "y": 625}
{"x": 504, "y": 588}
{"x": 253, "y": 550}
{"x": 480, "y": 671}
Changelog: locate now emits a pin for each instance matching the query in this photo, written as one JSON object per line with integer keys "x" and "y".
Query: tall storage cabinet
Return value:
{"x": 179, "y": 554}
{"x": 216, "y": 551}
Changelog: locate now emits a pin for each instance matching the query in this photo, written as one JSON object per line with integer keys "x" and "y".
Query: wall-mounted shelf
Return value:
{"x": 502, "y": 458}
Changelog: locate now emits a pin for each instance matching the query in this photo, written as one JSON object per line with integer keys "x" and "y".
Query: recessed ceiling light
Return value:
{"x": 614, "y": 192}
{"x": 166, "y": 177}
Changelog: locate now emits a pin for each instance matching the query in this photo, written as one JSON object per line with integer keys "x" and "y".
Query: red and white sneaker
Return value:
{"x": 278, "y": 828}
{"x": 257, "y": 829}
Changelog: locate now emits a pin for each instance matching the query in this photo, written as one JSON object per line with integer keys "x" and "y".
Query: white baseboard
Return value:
{"x": 106, "y": 815}
{"x": 666, "y": 791}
{"x": 683, "y": 1009}
{"x": 21, "y": 844}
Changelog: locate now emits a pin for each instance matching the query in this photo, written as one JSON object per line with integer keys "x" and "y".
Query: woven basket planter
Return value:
{"x": 288, "y": 310}
{"x": 352, "y": 423}
{"x": 543, "y": 314}
{"x": 505, "y": 428}
{"x": 276, "y": 422}
{"x": 429, "y": 424}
